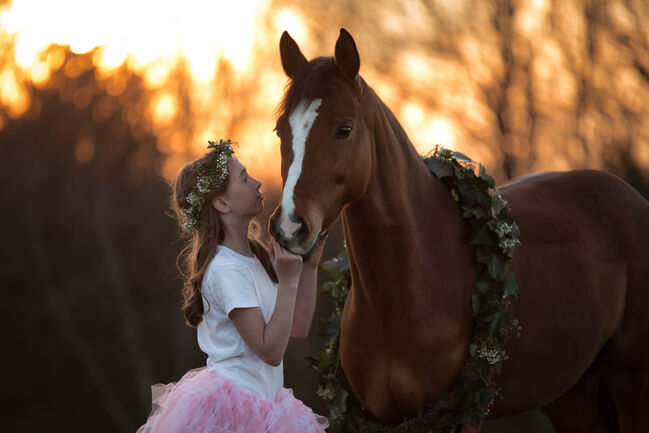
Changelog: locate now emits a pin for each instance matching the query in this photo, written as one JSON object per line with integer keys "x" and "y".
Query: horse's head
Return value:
{"x": 325, "y": 143}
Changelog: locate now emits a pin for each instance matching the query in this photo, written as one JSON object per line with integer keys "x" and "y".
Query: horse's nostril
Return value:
{"x": 303, "y": 231}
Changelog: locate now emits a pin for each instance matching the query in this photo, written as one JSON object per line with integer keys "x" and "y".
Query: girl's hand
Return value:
{"x": 317, "y": 253}
{"x": 288, "y": 266}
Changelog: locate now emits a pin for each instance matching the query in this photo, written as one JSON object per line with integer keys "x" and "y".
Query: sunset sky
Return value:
{"x": 505, "y": 89}
{"x": 150, "y": 38}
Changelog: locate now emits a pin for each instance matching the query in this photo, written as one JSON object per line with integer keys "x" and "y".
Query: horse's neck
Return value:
{"x": 406, "y": 221}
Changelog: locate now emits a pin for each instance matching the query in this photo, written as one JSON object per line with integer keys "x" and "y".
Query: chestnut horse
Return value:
{"x": 582, "y": 266}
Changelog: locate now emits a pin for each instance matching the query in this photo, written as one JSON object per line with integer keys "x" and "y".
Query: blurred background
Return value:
{"x": 101, "y": 103}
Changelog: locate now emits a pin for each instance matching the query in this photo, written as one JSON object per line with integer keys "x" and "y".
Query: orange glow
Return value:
{"x": 84, "y": 150}
{"x": 40, "y": 73}
{"x": 207, "y": 70}
{"x": 13, "y": 95}
{"x": 199, "y": 35}
{"x": 163, "y": 108}
{"x": 290, "y": 20}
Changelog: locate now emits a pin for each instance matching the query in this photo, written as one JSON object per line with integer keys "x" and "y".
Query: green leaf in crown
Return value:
{"x": 494, "y": 235}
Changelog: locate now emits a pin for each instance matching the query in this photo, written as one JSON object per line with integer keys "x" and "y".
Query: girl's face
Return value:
{"x": 242, "y": 195}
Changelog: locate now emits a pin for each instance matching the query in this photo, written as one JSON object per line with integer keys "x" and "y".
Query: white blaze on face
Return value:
{"x": 301, "y": 121}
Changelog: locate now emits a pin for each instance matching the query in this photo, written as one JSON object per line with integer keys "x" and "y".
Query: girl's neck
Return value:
{"x": 236, "y": 236}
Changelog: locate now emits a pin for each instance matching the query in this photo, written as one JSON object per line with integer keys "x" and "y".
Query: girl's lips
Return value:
{"x": 261, "y": 197}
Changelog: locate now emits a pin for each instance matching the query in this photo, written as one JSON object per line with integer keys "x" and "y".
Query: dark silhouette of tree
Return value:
{"x": 92, "y": 289}
{"x": 90, "y": 265}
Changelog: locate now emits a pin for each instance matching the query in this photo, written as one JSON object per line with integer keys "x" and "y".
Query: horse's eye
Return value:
{"x": 343, "y": 131}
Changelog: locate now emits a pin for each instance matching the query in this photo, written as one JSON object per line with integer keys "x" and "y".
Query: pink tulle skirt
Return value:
{"x": 202, "y": 401}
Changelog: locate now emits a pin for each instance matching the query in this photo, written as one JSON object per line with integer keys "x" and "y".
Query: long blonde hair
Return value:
{"x": 200, "y": 244}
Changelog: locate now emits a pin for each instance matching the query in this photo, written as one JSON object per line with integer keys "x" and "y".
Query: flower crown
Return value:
{"x": 210, "y": 177}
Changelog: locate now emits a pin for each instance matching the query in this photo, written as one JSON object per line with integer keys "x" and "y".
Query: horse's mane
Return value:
{"x": 308, "y": 82}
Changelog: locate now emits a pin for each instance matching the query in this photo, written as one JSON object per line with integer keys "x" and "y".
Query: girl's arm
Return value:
{"x": 305, "y": 301}
{"x": 306, "y": 293}
{"x": 269, "y": 341}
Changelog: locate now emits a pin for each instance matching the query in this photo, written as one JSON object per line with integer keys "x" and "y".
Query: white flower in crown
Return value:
{"x": 210, "y": 177}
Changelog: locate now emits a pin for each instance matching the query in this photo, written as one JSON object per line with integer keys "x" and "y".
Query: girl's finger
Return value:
{"x": 271, "y": 251}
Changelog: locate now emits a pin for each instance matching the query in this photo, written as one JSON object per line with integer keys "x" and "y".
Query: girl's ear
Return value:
{"x": 220, "y": 205}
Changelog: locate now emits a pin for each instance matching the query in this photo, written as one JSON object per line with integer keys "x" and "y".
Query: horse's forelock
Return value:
{"x": 308, "y": 83}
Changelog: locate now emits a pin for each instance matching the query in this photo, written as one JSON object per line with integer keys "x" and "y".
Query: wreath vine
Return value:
{"x": 495, "y": 235}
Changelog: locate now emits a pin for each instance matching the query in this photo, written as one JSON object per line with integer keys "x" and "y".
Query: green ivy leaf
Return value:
{"x": 505, "y": 317}
{"x": 331, "y": 328}
{"x": 480, "y": 213}
{"x": 338, "y": 291}
{"x": 475, "y": 197}
{"x": 497, "y": 205}
{"x": 483, "y": 284}
{"x": 328, "y": 287}
{"x": 483, "y": 396}
{"x": 324, "y": 363}
{"x": 331, "y": 268}
{"x": 476, "y": 303}
{"x": 440, "y": 169}
{"x": 495, "y": 266}
{"x": 461, "y": 156}
{"x": 481, "y": 235}
{"x": 485, "y": 177}
{"x": 487, "y": 316}
{"x": 510, "y": 286}
{"x": 340, "y": 402}
{"x": 495, "y": 325}
{"x": 483, "y": 254}
{"x": 336, "y": 266}
{"x": 460, "y": 172}
{"x": 516, "y": 231}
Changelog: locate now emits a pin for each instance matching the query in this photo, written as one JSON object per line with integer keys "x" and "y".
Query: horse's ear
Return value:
{"x": 346, "y": 55}
{"x": 292, "y": 57}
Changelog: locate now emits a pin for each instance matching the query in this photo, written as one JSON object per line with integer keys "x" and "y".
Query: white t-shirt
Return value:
{"x": 233, "y": 280}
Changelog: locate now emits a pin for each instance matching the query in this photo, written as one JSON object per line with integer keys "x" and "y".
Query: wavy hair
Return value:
{"x": 200, "y": 245}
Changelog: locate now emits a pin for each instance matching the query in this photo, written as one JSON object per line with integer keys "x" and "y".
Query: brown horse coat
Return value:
{"x": 582, "y": 266}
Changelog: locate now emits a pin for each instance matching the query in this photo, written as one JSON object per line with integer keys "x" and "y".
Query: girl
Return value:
{"x": 244, "y": 301}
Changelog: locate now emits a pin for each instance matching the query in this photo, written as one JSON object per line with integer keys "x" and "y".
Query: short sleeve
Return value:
{"x": 232, "y": 287}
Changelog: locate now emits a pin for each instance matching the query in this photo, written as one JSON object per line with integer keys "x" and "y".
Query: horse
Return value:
{"x": 582, "y": 264}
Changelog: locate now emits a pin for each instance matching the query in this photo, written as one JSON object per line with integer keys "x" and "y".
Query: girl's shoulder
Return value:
{"x": 225, "y": 261}
{"x": 220, "y": 267}
{"x": 224, "y": 274}
{"x": 225, "y": 257}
